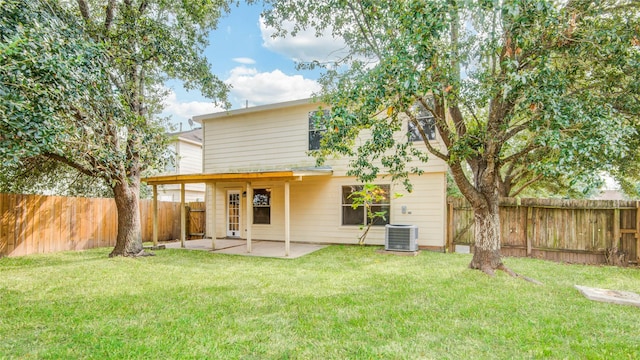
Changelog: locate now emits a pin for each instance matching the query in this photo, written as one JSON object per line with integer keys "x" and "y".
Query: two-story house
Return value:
{"x": 187, "y": 159}
{"x": 262, "y": 183}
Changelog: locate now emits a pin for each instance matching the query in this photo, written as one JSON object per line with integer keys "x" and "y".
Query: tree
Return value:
{"x": 108, "y": 129}
{"x": 520, "y": 90}
{"x": 40, "y": 175}
{"x": 368, "y": 197}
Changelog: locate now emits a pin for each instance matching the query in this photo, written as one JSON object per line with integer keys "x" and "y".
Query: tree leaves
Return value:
{"x": 81, "y": 82}
{"x": 510, "y": 79}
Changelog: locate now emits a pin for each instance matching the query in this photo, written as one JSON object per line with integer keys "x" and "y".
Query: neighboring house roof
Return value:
{"x": 194, "y": 135}
{"x": 611, "y": 195}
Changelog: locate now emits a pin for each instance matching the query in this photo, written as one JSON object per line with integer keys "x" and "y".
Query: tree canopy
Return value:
{"x": 521, "y": 91}
{"x": 84, "y": 82}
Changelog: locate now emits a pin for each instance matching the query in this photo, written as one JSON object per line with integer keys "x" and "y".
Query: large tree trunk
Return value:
{"x": 129, "y": 240}
{"x": 485, "y": 200}
{"x": 486, "y": 255}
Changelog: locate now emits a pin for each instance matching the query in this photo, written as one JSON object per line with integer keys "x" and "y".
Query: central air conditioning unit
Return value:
{"x": 401, "y": 237}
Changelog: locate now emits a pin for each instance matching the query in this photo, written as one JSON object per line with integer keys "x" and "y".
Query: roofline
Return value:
{"x": 179, "y": 133}
{"x": 189, "y": 141}
{"x": 237, "y": 176}
{"x": 252, "y": 109}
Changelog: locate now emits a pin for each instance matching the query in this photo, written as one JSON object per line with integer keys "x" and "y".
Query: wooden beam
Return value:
{"x": 449, "y": 245}
{"x": 200, "y": 178}
{"x": 155, "y": 215}
{"x": 212, "y": 199}
{"x": 249, "y": 215}
{"x": 183, "y": 217}
{"x": 287, "y": 222}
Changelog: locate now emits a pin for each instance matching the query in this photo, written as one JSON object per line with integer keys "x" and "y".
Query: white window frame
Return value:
{"x": 316, "y": 130}
{"x": 365, "y": 220}
{"x": 259, "y": 202}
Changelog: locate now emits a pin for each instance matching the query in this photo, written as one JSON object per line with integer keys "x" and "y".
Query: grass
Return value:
{"x": 341, "y": 302}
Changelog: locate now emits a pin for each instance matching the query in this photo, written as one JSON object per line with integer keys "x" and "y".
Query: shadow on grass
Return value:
{"x": 55, "y": 259}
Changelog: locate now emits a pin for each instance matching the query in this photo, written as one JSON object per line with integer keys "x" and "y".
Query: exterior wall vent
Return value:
{"x": 401, "y": 237}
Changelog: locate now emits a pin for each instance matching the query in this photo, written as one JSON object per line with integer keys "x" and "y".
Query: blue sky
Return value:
{"x": 260, "y": 69}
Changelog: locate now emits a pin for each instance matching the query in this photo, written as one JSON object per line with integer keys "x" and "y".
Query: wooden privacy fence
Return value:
{"x": 31, "y": 224}
{"x": 575, "y": 231}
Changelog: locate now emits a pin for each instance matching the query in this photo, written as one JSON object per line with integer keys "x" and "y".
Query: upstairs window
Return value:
{"x": 358, "y": 216}
{"x": 316, "y": 127}
{"x": 428, "y": 124}
{"x": 262, "y": 206}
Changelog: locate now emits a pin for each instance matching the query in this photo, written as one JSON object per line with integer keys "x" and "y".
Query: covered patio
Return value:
{"x": 247, "y": 246}
{"x": 260, "y": 248}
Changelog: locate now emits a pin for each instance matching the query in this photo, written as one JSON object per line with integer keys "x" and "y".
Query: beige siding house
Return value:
{"x": 187, "y": 148}
{"x": 262, "y": 184}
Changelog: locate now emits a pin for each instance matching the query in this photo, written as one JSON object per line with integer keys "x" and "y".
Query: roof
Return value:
{"x": 253, "y": 109}
{"x": 194, "y": 135}
{"x": 285, "y": 174}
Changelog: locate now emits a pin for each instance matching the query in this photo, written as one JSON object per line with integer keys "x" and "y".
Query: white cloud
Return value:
{"x": 244, "y": 60}
{"x": 260, "y": 88}
{"x": 181, "y": 111}
{"x": 305, "y": 46}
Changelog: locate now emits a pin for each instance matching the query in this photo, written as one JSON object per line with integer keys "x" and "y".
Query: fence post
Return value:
{"x": 530, "y": 233}
{"x": 616, "y": 228}
{"x": 4, "y": 225}
{"x": 638, "y": 232}
{"x": 449, "y": 245}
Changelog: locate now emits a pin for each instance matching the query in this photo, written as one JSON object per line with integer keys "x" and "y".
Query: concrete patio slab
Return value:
{"x": 260, "y": 248}
{"x": 611, "y": 296}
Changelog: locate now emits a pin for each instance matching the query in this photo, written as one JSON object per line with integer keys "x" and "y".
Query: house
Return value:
{"x": 263, "y": 184}
{"x": 187, "y": 151}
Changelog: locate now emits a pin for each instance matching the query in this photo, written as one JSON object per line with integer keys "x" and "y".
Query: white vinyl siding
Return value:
{"x": 315, "y": 214}
{"x": 277, "y": 138}
{"x": 188, "y": 161}
{"x": 189, "y": 158}
{"x": 274, "y": 139}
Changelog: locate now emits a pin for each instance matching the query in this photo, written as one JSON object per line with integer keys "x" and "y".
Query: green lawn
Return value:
{"x": 337, "y": 303}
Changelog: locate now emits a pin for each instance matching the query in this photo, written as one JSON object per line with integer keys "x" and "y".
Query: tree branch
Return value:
{"x": 72, "y": 164}
{"x": 515, "y": 130}
{"x": 364, "y": 31}
{"x": 108, "y": 18}
{"x": 143, "y": 6}
{"x": 84, "y": 10}
{"x": 467, "y": 189}
{"x": 425, "y": 139}
{"x": 441, "y": 125}
{"x": 458, "y": 120}
{"x": 525, "y": 185}
{"x": 527, "y": 149}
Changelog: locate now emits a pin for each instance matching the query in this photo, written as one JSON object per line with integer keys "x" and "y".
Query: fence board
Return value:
{"x": 4, "y": 226}
{"x": 579, "y": 231}
{"x": 41, "y": 224}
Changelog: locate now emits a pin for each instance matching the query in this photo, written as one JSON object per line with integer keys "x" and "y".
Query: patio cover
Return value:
{"x": 286, "y": 175}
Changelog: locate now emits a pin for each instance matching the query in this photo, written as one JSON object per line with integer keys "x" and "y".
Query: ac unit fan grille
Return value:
{"x": 401, "y": 238}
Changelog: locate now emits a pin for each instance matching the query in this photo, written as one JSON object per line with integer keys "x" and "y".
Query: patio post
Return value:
{"x": 212, "y": 215}
{"x": 183, "y": 217}
{"x": 287, "y": 222}
{"x": 249, "y": 215}
{"x": 155, "y": 215}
